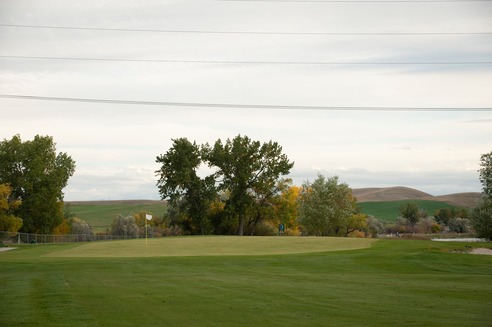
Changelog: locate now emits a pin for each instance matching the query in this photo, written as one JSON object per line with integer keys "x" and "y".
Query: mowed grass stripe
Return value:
{"x": 391, "y": 283}
{"x": 213, "y": 246}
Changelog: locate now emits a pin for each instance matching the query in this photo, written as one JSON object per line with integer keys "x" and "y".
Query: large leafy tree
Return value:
{"x": 37, "y": 175}
{"x": 481, "y": 216}
{"x": 410, "y": 211}
{"x": 248, "y": 169}
{"x": 326, "y": 207}
{"x": 486, "y": 173}
{"x": 179, "y": 182}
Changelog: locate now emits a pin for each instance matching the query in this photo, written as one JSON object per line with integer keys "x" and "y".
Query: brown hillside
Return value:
{"x": 373, "y": 194}
{"x": 396, "y": 193}
{"x": 468, "y": 200}
{"x": 399, "y": 193}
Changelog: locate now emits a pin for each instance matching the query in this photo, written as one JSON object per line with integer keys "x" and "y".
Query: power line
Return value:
{"x": 226, "y": 62}
{"x": 240, "y": 32}
{"x": 240, "y": 106}
{"x": 360, "y": 1}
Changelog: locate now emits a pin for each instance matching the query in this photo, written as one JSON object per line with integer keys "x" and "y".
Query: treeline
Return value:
{"x": 245, "y": 193}
{"x": 413, "y": 219}
{"x": 234, "y": 187}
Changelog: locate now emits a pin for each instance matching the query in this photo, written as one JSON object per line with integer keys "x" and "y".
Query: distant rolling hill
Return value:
{"x": 400, "y": 193}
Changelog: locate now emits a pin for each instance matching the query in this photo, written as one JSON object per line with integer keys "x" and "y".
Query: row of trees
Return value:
{"x": 416, "y": 220}
{"x": 478, "y": 219}
{"x": 245, "y": 192}
{"x": 236, "y": 196}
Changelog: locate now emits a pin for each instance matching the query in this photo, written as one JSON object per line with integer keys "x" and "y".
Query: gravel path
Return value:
{"x": 6, "y": 249}
{"x": 482, "y": 251}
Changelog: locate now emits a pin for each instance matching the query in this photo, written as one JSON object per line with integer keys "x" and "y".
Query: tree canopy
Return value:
{"x": 243, "y": 182}
{"x": 410, "y": 211}
{"x": 180, "y": 183}
{"x": 327, "y": 208}
{"x": 37, "y": 175}
{"x": 481, "y": 216}
{"x": 248, "y": 169}
{"x": 486, "y": 173}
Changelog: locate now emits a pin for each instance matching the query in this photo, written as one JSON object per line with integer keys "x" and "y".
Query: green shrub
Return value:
{"x": 482, "y": 219}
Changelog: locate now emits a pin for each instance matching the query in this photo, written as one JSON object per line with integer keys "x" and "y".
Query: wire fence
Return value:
{"x": 26, "y": 238}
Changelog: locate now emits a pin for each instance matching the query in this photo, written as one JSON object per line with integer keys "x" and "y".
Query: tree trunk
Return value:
{"x": 241, "y": 224}
{"x": 257, "y": 219}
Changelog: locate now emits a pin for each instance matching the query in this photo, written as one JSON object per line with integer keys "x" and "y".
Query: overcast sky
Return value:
{"x": 260, "y": 53}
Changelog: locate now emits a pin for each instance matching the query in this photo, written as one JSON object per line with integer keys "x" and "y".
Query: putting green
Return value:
{"x": 213, "y": 246}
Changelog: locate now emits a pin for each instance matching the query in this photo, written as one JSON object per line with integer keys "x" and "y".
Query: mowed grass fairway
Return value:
{"x": 234, "y": 281}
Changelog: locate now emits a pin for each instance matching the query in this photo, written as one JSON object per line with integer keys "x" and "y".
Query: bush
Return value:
{"x": 10, "y": 223}
{"x": 435, "y": 228}
{"x": 292, "y": 232}
{"x": 171, "y": 231}
{"x": 374, "y": 226}
{"x": 357, "y": 234}
{"x": 263, "y": 229}
{"x": 80, "y": 227}
{"x": 482, "y": 219}
{"x": 427, "y": 225}
{"x": 124, "y": 226}
{"x": 459, "y": 225}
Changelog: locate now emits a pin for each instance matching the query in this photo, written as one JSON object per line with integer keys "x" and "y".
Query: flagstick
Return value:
{"x": 147, "y": 217}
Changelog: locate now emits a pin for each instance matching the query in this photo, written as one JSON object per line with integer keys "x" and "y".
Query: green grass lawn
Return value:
{"x": 100, "y": 216}
{"x": 209, "y": 281}
{"x": 389, "y": 211}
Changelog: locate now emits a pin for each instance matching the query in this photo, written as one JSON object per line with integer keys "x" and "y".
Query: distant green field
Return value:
{"x": 389, "y": 211}
{"x": 390, "y": 283}
{"x": 100, "y": 216}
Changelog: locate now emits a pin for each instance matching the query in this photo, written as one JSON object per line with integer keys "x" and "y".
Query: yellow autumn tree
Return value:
{"x": 63, "y": 229}
{"x": 357, "y": 222}
{"x": 286, "y": 206}
{"x": 8, "y": 221}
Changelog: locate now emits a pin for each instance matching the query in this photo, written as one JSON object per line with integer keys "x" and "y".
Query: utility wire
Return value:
{"x": 361, "y": 1}
{"x": 221, "y": 62}
{"x": 239, "y": 106}
{"x": 240, "y": 32}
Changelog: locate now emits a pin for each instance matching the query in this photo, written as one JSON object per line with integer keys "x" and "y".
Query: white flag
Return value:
{"x": 148, "y": 217}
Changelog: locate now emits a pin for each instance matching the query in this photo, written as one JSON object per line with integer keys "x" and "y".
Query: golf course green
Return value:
{"x": 213, "y": 246}
{"x": 246, "y": 281}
